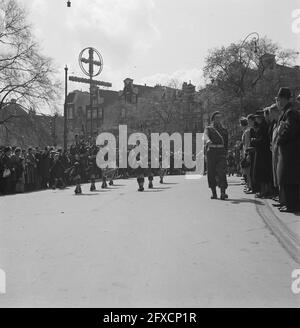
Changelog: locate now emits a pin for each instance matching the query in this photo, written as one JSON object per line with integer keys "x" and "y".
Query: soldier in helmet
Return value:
{"x": 92, "y": 166}
{"x": 76, "y": 174}
{"x": 142, "y": 172}
{"x": 216, "y": 143}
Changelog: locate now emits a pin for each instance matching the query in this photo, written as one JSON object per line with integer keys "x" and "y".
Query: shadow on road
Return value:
{"x": 161, "y": 188}
{"x": 245, "y": 200}
{"x": 118, "y": 185}
{"x": 92, "y": 194}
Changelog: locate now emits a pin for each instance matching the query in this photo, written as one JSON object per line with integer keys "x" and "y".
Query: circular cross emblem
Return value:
{"x": 93, "y": 59}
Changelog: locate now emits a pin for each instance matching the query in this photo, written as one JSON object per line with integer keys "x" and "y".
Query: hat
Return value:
{"x": 259, "y": 113}
{"x": 243, "y": 121}
{"x": 284, "y": 93}
{"x": 250, "y": 117}
{"x": 214, "y": 114}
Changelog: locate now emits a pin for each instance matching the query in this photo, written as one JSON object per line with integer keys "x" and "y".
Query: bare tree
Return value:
{"x": 25, "y": 74}
{"x": 237, "y": 69}
{"x": 165, "y": 107}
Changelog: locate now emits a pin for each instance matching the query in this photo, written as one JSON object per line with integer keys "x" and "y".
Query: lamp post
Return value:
{"x": 65, "y": 111}
{"x": 255, "y": 40}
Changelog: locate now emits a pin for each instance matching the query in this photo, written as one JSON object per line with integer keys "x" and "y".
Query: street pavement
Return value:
{"x": 168, "y": 247}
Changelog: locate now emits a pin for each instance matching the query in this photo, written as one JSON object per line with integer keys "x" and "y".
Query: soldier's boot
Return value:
{"x": 93, "y": 187}
{"x": 54, "y": 184}
{"x": 141, "y": 184}
{"x": 111, "y": 182}
{"x": 150, "y": 179}
{"x": 104, "y": 184}
{"x": 214, "y": 193}
{"x": 93, "y": 181}
{"x": 77, "y": 189}
{"x": 161, "y": 180}
{"x": 223, "y": 196}
{"x": 62, "y": 184}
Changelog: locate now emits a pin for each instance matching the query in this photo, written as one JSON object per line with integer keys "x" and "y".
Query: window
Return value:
{"x": 100, "y": 112}
{"x": 128, "y": 98}
{"x": 123, "y": 113}
{"x": 88, "y": 113}
{"x": 94, "y": 111}
{"x": 186, "y": 124}
{"x": 70, "y": 113}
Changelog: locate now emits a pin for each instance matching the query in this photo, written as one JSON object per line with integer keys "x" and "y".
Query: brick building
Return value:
{"x": 142, "y": 108}
{"x": 23, "y": 128}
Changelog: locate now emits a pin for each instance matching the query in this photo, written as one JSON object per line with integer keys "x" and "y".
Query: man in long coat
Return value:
{"x": 288, "y": 168}
{"x": 263, "y": 156}
{"x": 216, "y": 143}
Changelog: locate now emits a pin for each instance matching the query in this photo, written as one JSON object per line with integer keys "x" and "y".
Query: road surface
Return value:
{"x": 168, "y": 247}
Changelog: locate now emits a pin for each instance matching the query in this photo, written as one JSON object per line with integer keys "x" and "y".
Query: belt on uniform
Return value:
{"x": 216, "y": 146}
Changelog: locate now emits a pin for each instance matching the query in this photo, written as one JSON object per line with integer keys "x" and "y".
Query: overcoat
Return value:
{"x": 288, "y": 168}
{"x": 263, "y": 155}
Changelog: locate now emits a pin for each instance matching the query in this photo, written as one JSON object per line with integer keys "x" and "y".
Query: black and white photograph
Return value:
{"x": 149, "y": 156}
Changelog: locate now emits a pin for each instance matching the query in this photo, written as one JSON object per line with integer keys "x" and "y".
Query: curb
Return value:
{"x": 287, "y": 238}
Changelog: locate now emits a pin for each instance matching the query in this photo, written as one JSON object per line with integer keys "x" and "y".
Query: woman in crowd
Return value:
{"x": 30, "y": 170}
{"x": 263, "y": 157}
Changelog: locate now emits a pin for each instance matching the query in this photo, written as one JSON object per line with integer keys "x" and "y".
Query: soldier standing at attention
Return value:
{"x": 216, "y": 143}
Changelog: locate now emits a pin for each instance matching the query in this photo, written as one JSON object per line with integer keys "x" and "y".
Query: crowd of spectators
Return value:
{"x": 36, "y": 169}
{"x": 270, "y": 148}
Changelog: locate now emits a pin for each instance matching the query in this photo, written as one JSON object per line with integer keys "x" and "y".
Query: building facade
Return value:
{"x": 142, "y": 108}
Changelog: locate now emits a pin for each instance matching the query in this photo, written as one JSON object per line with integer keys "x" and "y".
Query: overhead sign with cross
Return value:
{"x": 95, "y": 66}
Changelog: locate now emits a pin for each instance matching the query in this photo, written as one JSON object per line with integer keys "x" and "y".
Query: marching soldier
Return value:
{"x": 216, "y": 137}
{"x": 142, "y": 172}
{"x": 92, "y": 167}
{"x": 162, "y": 170}
{"x": 76, "y": 174}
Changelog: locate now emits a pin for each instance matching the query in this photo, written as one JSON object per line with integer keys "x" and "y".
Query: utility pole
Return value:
{"x": 91, "y": 72}
{"x": 65, "y": 111}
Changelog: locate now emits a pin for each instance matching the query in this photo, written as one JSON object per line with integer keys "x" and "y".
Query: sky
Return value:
{"x": 155, "y": 41}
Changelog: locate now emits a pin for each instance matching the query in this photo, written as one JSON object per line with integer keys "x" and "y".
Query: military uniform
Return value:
{"x": 216, "y": 149}
{"x": 92, "y": 167}
{"x": 76, "y": 173}
{"x": 141, "y": 172}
